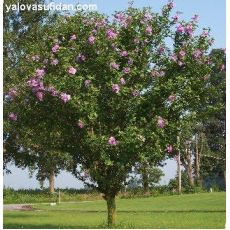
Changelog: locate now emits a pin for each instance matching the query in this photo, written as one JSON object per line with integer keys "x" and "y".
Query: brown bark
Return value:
{"x": 179, "y": 173}
{"x": 51, "y": 181}
{"x": 197, "y": 161}
{"x": 179, "y": 165}
{"x": 190, "y": 175}
{"x": 111, "y": 207}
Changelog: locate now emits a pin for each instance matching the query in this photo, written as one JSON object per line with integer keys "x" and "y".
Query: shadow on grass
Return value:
{"x": 130, "y": 211}
{"x": 42, "y": 226}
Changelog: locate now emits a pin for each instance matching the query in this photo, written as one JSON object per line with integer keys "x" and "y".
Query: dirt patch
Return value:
{"x": 27, "y": 208}
{"x": 18, "y": 207}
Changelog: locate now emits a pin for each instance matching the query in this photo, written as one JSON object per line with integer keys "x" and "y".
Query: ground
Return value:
{"x": 205, "y": 210}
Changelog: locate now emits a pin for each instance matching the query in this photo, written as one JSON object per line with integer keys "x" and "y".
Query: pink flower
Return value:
{"x": 176, "y": 158}
{"x": 161, "y": 122}
{"x": 149, "y": 30}
{"x": 72, "y": 70}
{"x": 52, "y": 90}
{"x": 73, "y": 37}
{"x": 180, "y": 29}
{"x": 154, "y": 73}
{"x": 169, "y": 148}
{"x": 126, "y": 70}
{"x": 161, "y": 50}
{"x": 147, "y": 16}
{"x": 120, "y": 16}
{"x": 80, "y": 124}
{"x": 112, "y": 141}
{"x": 115, "y": 88}
{"x": 39, "y": 87}
{"x": 40, "y": 73}
{"x": 173, "y": 57}
{"x": 170, "y": 5}
{"x": 46, "y": 61}
{"x": 224, "y": 50}
{"x": 195, "y": 18}
{"x": 189, "y": 29}
{"x": 180, "y": 63}
{"x": 206, "y": 77}
{"x": 130, "y": 61}
{"x": 81, "y": 57}
{"x": 122, "y": 81}
{"x": 114, "y": 65}
{"x": 91, "y": 40}
{"x": 205, "y": 34}
{"x": 161, "y": 73}
{"x": 13, "y": 117}
{"x": 222, "y": 68}
{"x": 87, "y": 83}
{"x": 12, "y": 93}
{"x": 136, "y": 41}
{"x": 176, "y": 18}
{"x": 210, "y": 41}
{"x": 182, "y": 54}
{"x": 35, "y": 58}
{"x": 172, "y": 98}
{"x": 33, "y": 83}
{"x": 208, "y": 62}
{"x": 54, "y": 62}
{"x": 135, "y": 93}
{"x": 124, "y": 53}
{"x": 39, "y": 95}
{"x": 197, "y": 53}
{"x": 111, "y": 34}
{"x": 55, "y": 48}
{"x": 65, "y": 97}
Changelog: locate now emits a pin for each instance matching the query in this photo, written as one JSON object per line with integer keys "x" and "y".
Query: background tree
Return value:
{"x": 148, "y": 175}
{"x": 214, "y": 128}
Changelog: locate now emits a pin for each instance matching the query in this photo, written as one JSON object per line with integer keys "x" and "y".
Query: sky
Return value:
{"x": 212, "y": 13}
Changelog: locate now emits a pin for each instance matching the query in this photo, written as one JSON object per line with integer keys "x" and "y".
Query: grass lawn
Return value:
{"x": 205, "y": 210}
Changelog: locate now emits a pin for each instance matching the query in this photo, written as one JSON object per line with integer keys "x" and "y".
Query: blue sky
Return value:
{"x": 212, "y": 14}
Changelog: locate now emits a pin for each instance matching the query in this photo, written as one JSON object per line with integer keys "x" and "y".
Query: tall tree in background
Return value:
{"x": 214, "y": 128}
{"x": 21, "y": 30}
{"x": 149, "y": 175}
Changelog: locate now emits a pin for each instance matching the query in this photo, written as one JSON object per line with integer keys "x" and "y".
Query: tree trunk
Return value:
{"x": 51, "y": 181}
{"x": 178, "y": 165}
{"x": 197, "y": 162}
{"x": 111, "y": 207}
{"x": 190, "y": 176}
{"x": 145, "y": 179}
{"x": 179, "y": 173}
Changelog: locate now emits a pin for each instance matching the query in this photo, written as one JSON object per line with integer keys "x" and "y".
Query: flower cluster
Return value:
{"x": 12, "y": 94}
{"x": 112, "y": 141}
{"x": 55, "y": 48}
{"x": 37, "y": 87}
{"x": 111, "y": 34}
{"x": 187, "y": 29}
{"x": 156, "y": 73}
{"x": 13, "y": 117}
{"x": 161, "y": 122}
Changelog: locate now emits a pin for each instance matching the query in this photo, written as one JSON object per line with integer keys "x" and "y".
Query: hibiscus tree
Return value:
{"x": 111, "y": 93}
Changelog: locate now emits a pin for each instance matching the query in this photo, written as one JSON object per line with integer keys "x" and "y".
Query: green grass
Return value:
{"x": 205, "y": 210}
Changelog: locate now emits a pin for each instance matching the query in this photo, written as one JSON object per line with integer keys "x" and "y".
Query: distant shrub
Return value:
{"x": 43, "y": 196}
